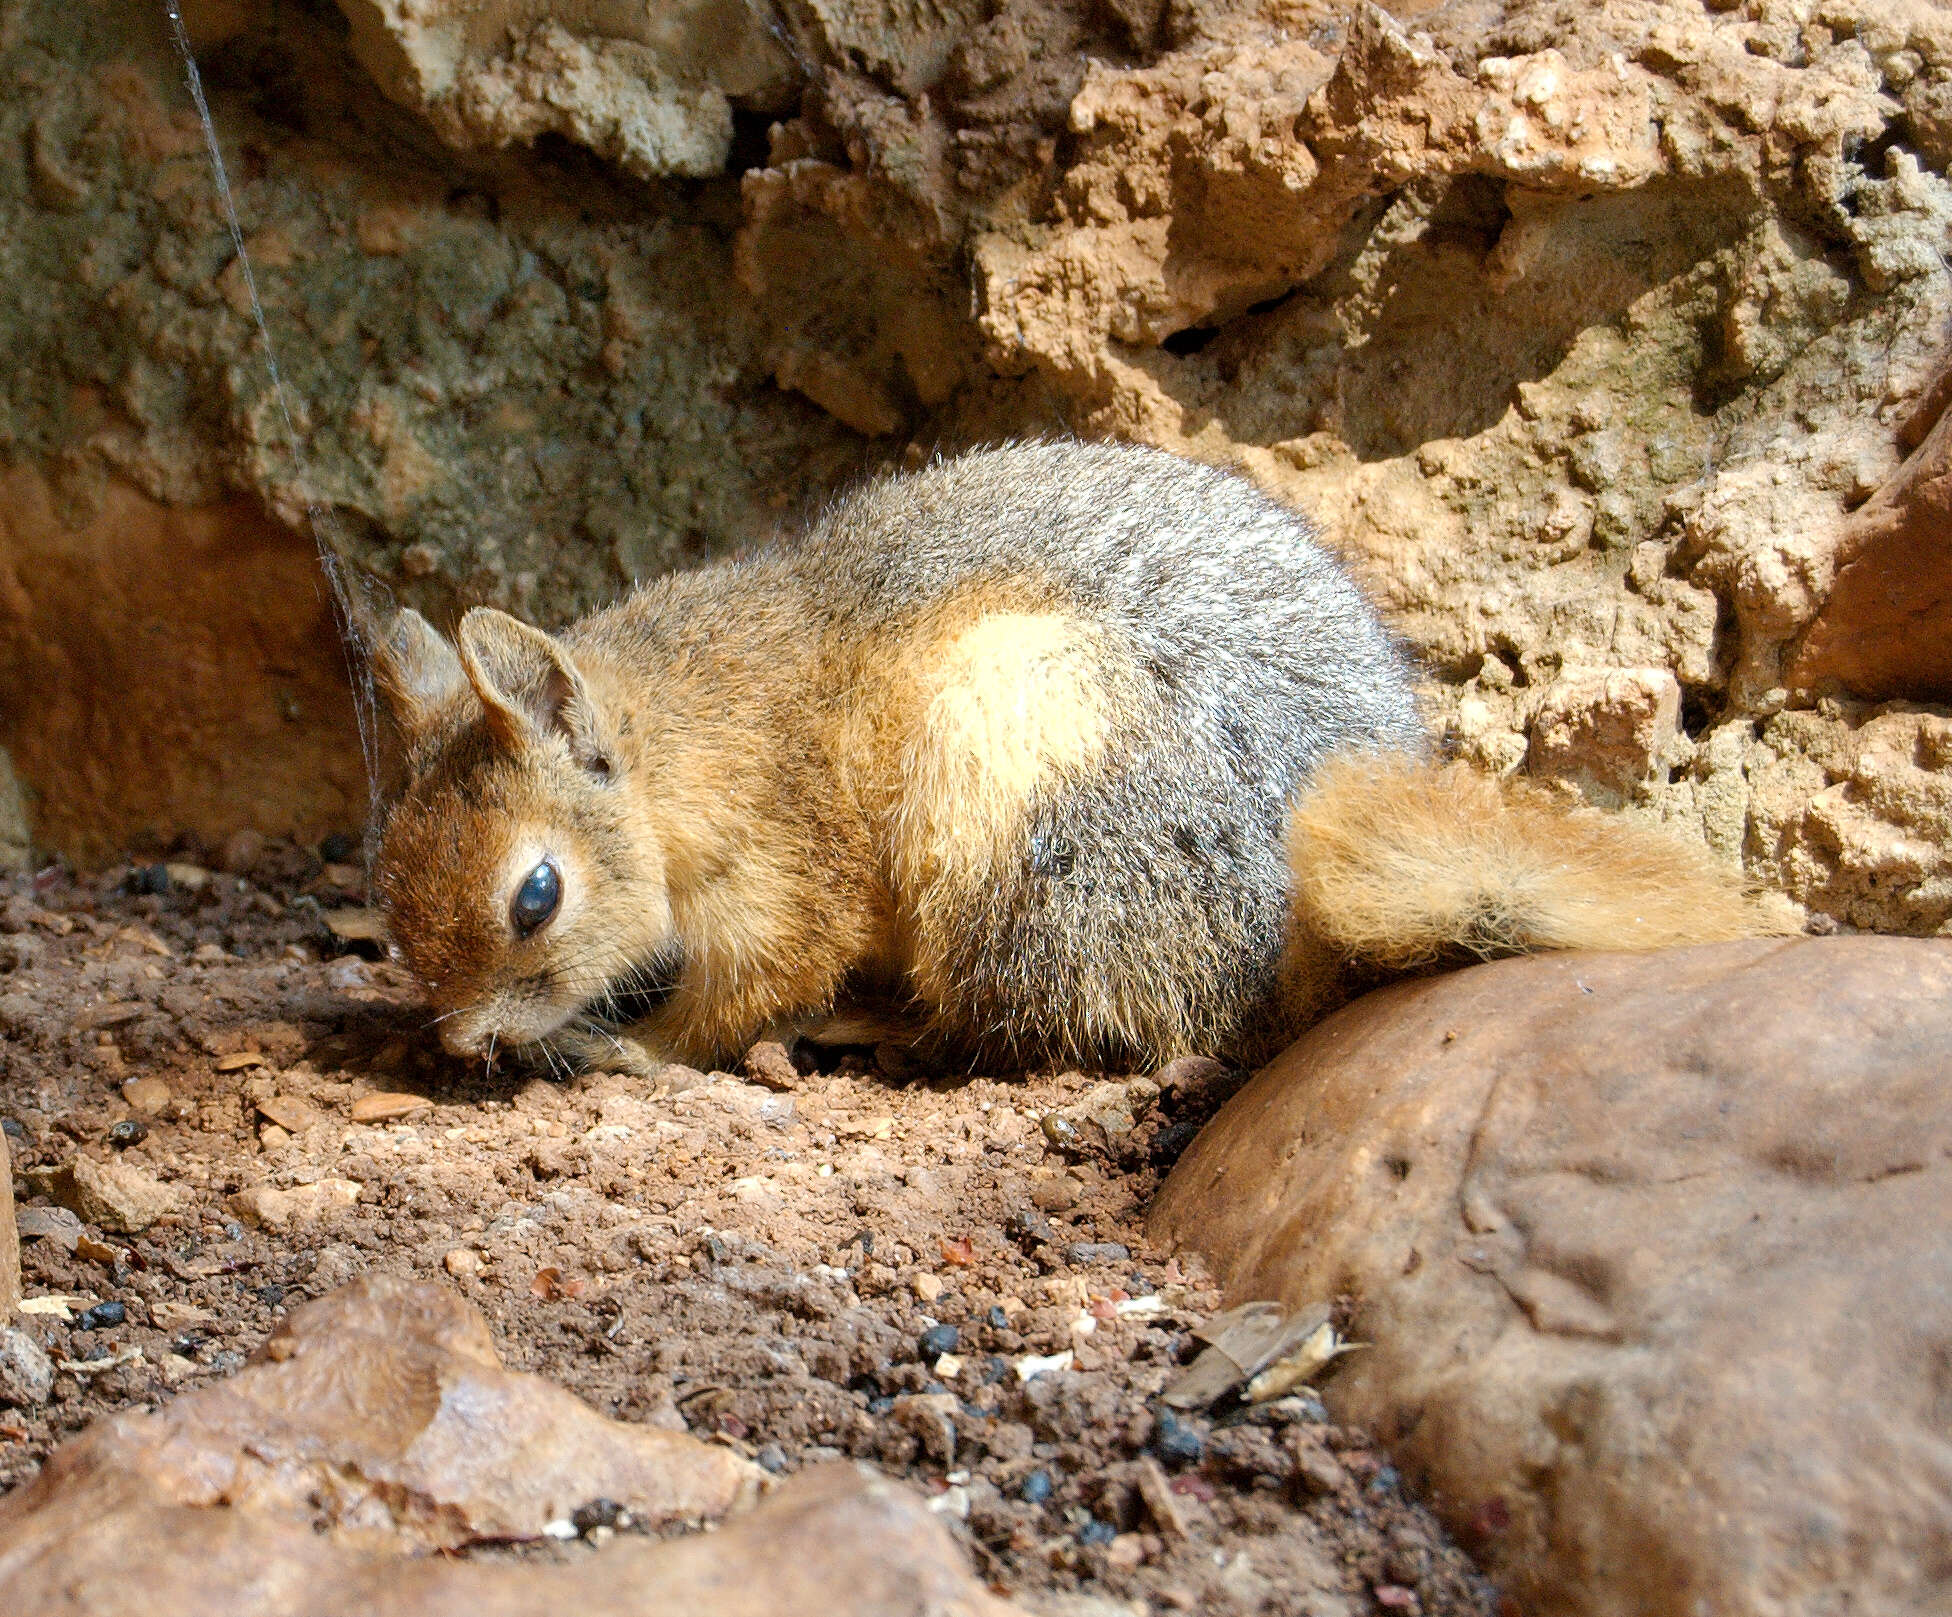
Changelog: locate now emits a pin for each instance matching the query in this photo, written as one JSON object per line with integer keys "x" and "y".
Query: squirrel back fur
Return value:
{"x": 1084, "y": 751}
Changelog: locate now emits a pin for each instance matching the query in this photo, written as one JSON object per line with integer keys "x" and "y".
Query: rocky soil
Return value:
{"x": 215, "y": 1114}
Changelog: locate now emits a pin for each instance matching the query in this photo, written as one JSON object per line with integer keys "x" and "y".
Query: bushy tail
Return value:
{"x": 1400, "y": 863}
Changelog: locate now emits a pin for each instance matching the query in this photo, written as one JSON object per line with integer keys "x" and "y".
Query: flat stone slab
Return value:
{"x": 376, "y": 1425}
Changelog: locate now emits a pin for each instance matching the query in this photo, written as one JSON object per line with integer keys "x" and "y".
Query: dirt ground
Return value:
{"x": 780, "y": 1265}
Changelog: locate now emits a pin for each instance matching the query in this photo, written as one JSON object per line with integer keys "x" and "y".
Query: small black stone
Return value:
{"x": 1035, "y": 1488}
{"x": 771, "y": 1458}
{"x": 597, "y": 1513}
{"x": 150, "y": 879}
{"x": 1170, "y": 1143}
{"x": 997, "y": 1320}
{"x": 938, "y": 1340}
{"x": 1030, "y": 1227}
{"x": 1387, "y": 1480}
{"x": 13, "y": 1128}
{"x": 130, "y": 1131}
{"x": 1097, "y": 1532}
{"x": 339, "y": 849}
{"x": 1174, "y": 1441}
{"x": 995, "y": 1369}
{"x": 271, "y": 1296}
{"x": 1084, "y": 1252}
{"x": 103, "y": 1316}
{"x": 881, "y": 1405}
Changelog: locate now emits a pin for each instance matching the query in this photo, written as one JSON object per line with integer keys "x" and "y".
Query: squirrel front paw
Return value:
{"x": 568, "y": 1053}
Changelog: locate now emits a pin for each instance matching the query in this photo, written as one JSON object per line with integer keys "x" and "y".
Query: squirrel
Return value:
{"x": 1081, "y": 752}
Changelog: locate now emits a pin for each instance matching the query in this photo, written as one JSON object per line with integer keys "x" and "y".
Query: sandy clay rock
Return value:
{"x": 1885, "y": 629}
{"x": 115, "y": 1196}
{"x": 1654, "y": 1255}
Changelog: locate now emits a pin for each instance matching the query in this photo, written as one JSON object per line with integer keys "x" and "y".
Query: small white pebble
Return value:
{"x": 1033, "y": 1365}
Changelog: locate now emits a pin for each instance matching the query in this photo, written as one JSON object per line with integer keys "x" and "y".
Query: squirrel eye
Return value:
{"x": 536, "y": 899}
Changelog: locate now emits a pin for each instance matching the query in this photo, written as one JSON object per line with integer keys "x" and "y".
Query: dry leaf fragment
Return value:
{"x": 959, "y": 1250}
{"x": 1240, "y": 1343}
{"x": 238, "y": 1060}
{"x": 550, "y": 1286}
{"x": 1320, "y": 1347}
{"x": 55, "y": 1303}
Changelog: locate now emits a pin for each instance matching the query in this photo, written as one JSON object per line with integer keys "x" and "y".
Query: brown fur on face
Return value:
{"x": 666, "y": 795}
{"x": 455, "y": 849}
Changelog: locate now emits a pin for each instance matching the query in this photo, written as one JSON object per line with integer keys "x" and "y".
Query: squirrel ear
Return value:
{"x": 417, "y": 673}
{"x": 527, "y": 683}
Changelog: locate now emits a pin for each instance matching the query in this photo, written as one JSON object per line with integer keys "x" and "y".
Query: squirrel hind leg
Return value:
{"x": 1404, "y": 863}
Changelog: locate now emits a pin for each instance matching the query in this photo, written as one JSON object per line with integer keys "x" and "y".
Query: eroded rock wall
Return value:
{"x": 1598, "y": 335}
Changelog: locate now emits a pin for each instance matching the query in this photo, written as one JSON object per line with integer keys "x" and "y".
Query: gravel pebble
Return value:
{"x": 1174, "y": 1441}
{"x": 1088, "y": 1252}
{"x": 26, "y": 1372}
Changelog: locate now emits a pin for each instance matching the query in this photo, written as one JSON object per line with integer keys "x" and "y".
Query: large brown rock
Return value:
{"x": 168, "y": 666}
{"x": 376, "y": 1424}
{"x": 378, "y": 1414}
{"x": 1654, "y": 1255}
{"x": 835, "y": 1542}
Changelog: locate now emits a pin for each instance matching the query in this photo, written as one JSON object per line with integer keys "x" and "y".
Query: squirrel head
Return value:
{"x": 512, "y": 876}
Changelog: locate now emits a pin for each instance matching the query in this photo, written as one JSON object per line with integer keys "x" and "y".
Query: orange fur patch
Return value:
{"x": 1401, "y": 863}
{"x": 1007, "y": 702}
